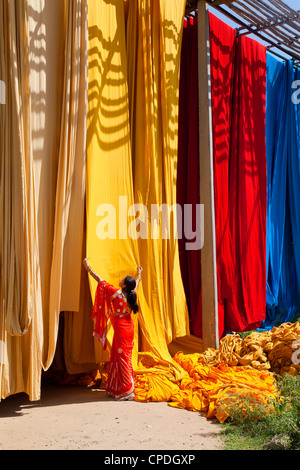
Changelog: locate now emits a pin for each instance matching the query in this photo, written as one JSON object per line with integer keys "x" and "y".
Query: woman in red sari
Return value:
{"x": 116, "y": 304}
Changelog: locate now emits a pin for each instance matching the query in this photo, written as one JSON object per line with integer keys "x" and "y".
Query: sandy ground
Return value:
{"x": 78, "y": 418}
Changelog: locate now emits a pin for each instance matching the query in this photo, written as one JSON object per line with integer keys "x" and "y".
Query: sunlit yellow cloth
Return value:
{"x": 132, "y": 137}
{"x": 209, "y": 385}
{"x": 239, "y": 368}
{"x": 155, "y": 380}
{"x": 204, "y": 388}
{"x": 154, "y": 387}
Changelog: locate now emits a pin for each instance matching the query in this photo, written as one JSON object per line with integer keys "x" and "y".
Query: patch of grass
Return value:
{"x": 235, "y": 440}
{"x": 244, "y": 334}
{"x": 252, "y": 424}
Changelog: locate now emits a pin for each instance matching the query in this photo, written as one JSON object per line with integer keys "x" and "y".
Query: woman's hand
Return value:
{"x": 140, "y": 269}
{"x": 90, "y": 271}
{"x": 86, "y": 263}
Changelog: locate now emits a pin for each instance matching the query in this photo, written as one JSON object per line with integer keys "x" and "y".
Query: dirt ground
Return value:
{"x": 79, "y": 418}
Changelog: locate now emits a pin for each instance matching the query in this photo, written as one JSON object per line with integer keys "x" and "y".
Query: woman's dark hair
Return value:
{"x": 130, "y": 294}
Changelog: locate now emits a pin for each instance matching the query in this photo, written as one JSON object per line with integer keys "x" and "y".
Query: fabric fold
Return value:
{"x": 246, "y": 307}
{"x": 188, "y": 171}
{"x": 41, "y": 180}
{"x": 238, "y": 70}
{"x": 222, "y": 54}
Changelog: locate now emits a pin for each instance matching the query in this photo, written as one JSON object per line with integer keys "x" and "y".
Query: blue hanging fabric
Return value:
{"x": 294, "y": 182}
{"x": 276, "y": 153}
{"x": 283, "y": 202}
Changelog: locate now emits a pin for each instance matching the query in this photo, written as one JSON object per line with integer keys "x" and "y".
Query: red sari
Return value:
{"x": 110, "y": 304}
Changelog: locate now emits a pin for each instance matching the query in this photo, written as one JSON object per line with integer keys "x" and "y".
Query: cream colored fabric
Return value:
{"x": 42, "y": 180}
{"x": 21, "y": 322}
{"x": 70, "y": 182}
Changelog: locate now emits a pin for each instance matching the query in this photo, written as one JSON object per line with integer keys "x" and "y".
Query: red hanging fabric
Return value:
{"x": 188, "y": 174}
{"x": 238, "y": 79}
{"x": 248, "y": 188}
{"x": 222, "y": 50}
{"x": 238, "y": 73}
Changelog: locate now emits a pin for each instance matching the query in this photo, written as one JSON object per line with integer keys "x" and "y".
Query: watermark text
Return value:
{"x": 2, "y": 92}
{"x": 160, "y": 221}
{"x": 296, "y": 93}
{"x": 296, "y": 354}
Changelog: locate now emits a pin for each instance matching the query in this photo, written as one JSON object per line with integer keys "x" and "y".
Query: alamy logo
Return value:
{"x": 2, "y": 92}
{"x": 296, "y": 354}
{"x": 2, "y": 352}
{"x": 162, "y": 221}
{"x": 296, "y": 94}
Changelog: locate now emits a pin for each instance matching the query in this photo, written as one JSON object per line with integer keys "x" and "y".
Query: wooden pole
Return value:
{"x": 210, "y": 336}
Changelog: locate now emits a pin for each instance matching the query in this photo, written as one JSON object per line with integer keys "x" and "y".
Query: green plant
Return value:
{"x": 253, "y": 423}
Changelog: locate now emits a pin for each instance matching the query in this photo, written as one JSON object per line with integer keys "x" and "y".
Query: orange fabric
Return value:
{"x": 120, "y": 380}
{"x": 102, "y": 310}
{"x": 206, "y": 388}
{"x": 110, "y": 305}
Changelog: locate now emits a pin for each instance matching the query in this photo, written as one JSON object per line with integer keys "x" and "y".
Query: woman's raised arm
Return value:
{"x": 90, "y": 271}
{"x": 137, "y": 281}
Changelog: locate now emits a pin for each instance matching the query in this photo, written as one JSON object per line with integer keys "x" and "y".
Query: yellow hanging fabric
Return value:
{"x": 154, "y": 32}
{"x": 131, "y": 152}
{"x": 109, "y": 193}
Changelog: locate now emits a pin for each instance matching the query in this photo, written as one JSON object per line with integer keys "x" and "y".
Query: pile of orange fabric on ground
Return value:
{"x": 206, "y": 382}
{"x": 205, "y": 387}
{"x": 156, "y": 380}
{"x": 239, "y": 368}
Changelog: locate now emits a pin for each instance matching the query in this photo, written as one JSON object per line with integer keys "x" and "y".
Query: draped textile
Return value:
{"x": 109, "y": 168}
{"x": 42, "y": 180}
{"x": 222, "y": 53}
{"x": 188, "y": 171}
{"x": 276, "y": 150}
{"x": 134, "y": 56}
{"x": 294, "y": 181}
{"x": 21, "y": 325}
{"x": 69, "y": 198}
{"x": 247, "y": 188}
{"x": 238, "y": 107}
{"x": 153, "y": 53}
{"x": 282, "y": 140}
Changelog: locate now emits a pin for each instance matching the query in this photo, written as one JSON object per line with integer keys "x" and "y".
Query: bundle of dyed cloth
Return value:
{"x": 269, "y": 350}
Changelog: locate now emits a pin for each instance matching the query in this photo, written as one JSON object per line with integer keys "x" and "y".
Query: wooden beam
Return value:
{"x": 210, "y": 328}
